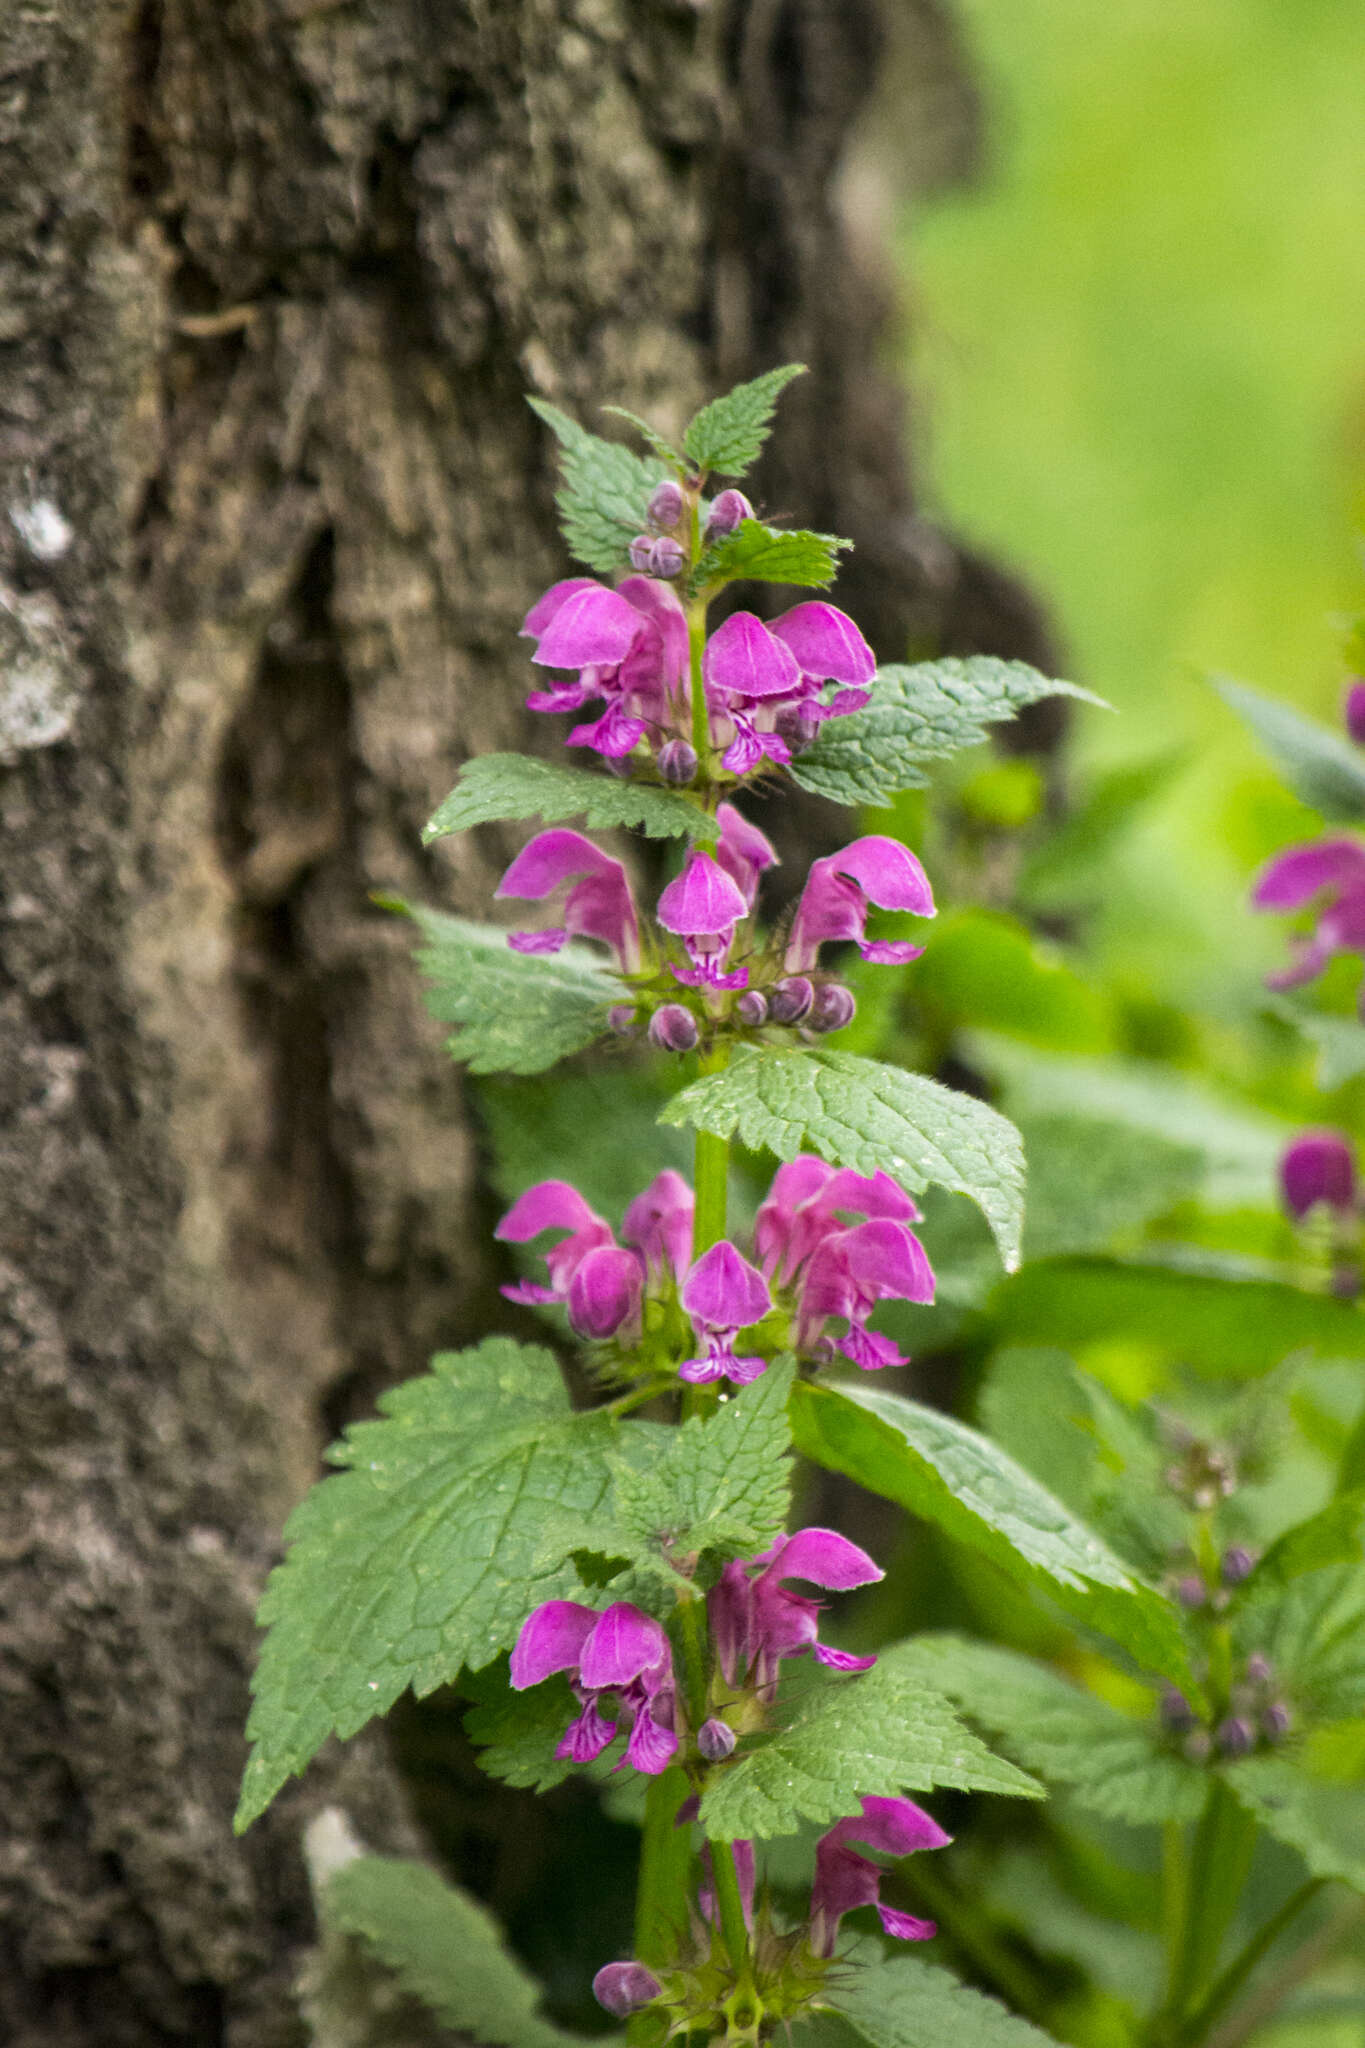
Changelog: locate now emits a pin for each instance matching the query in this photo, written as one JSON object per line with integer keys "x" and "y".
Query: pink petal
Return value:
{"x": 723, "y": 1291}
{"x": 651, "y": 1748}
{"x": 825, "y": 1558}
{"x": 1294, "y": 878}
{"x": 605, "y": 1292}
{"x": 624, "y": 1643}
{"x": 551, "y": 1639}
{"x": 703, "y": 898}
{"x": 895, "y": 1826}
{"x": 887, "y": 873}
{"x": 904, "y": 1926}
{"x": 544, "y": 609}
{"x": 889, "y": 952}
{"x": 1319, "y": 1166}
{"x": 826, "y": 643}
{"x": 551, "y": 858}
{"x": 841, "y": 1660}
{"x": 549, "y": 1205}
{"x": 586, "y": 1738}
{"x": 743, "y": 658}
{"x": 592, "y": 625}
{"x": 551, "y": 940}
{"x": 659, "y": 1222}
{"x": 743, "y": 851}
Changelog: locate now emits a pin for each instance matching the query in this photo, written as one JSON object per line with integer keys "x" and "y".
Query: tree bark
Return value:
{"x": 275, "y": 276}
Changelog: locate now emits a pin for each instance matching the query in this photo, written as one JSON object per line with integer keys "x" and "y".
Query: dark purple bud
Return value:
{"x": 1238, "y": 1564}
{"x": 797, "y": 724}
{"x": 791, "y": 1000}
{"x": 1353, "y": 710}
{"x": 621, "y": 1018}
{"x": 730, "y": 507}
{"x": 667, "y": 558}
{"x": 1318, "y": 1166}
{"x": 1276, "y": 1721}
{"x": 831, "y": 1007}
{"x": 1198, "y": 1746}
{"x": 1176, "y": 1712}
{"x": 752, "y": 1008}
{"x": 639, "y": 552}
{"x": 1191, "y": 1591}
{"x": 622, "y": 1988}
{"x": 715, "y": 1740}
{"x": 1260, "y": 1670}
{"x": 667, "y": 505}
{"x": 673, "y": 1029}
{"x": 1346, "y": 1280}
{"x": 677, "y": 762}
{"x": 1236, "y": 1736}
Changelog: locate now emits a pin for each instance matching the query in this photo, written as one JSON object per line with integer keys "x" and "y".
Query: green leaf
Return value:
{"x": 1323, "y": 1818}
{"x": 444, "y": 1949}
{"x": 588, "y": 1126}
{"x": 604, "y": 491}
{"x": 1221, "y": 1323}
{"x": 939, "y": 1468}
{"x": 665, "y": 450}
{"x": 881, "y": 1732}
{"x": 728, "y": 434}
{"x": 767, "y": 554}
{"x": 1314, "y": 1635}
{"x": 1321, "y": 766}
{"x": 497, "y": 786}
{"x": 426, "y": 1555}
{"x": 1115, "y": 1765}
{"x": 987, "y": 969}
{"x": 904, "y": 2003}
{"x": 1091, "y": 1181}
{"x": 517, "y": 1733}
{"x": 719, "y": 1484}
{"x": 517, "y": 1013}
{"x": 1340, "y": 1042}
{"x": 1335, "y": 1535}
{"x": 859, "y": 1113}
{"x": 1071, "y": 866}
{"x": 919, "y": 714}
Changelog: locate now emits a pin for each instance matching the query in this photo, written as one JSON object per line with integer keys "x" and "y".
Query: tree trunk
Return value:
{"x": 275, "y": 276}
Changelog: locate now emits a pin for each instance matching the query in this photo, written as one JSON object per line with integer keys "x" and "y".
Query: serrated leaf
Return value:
{"x": 444, "y": 1949}
{"x": 604, "y": 491}
{"x": 723, "y": 1483}
{"x": 862, "y": 1114}
{"x": 1114, "y": 1764}
{"x": 904, "y": 2003}
{"x": 517, "y": 1013}
{"x": 1322, "y": 767}
{"x": 497, "y": 786}
{"x": 728, "y": 434}
{"x": 919, "y": 713}
{"x": 939, "y": 1468}
{"x": 881, "y": 1732}
{"x": 426, "y": 1555}
{"x": 664, "y": 449}
{"x": 517, "y": 1733}
{"x": 1323, "y": 1818}
{"x": 1335, "y": 1535}
{"x": 766, "y": 554}
{"x": 1314, "y": 1635}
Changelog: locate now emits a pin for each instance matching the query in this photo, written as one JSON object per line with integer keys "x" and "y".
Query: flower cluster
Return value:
{"x": 1319, "y": 1168}
{"x": 1329, "y": 872}
{"x": 704, "y": 909}
{"x": 816, "y": 1269}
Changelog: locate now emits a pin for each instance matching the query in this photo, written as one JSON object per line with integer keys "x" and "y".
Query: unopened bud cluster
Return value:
{"x": 1255, "y": 1715}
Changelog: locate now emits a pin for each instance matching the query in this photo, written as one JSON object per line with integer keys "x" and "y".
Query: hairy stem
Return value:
{"x": 1226, "y": 1988}
{"x": 730, "y": 1907}
{"x": 665, "y": 1871}
{"x": 1295, "y": 1970}
{"x": 1219, "y": 1860}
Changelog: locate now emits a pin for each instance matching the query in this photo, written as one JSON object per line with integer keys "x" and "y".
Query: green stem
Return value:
{"x": 1226, "y": 1988}
{"x": 730, "y": 1906}
{"x": 665, "y": 1871}
{"x": 1219, "y": 1860}
{"x": 970, "y": 1930}
{"x": 1352, "y": 1473}
{"x": 1296, "y": 1969}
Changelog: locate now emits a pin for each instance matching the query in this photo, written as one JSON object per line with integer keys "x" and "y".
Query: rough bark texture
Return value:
{"x": 274, "y": 277}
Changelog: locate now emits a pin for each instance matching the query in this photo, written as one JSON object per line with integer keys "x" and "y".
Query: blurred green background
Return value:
{"x": 1138, "y": 352}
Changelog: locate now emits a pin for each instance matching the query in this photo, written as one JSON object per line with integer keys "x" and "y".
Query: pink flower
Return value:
{"x": 723, "y": 1294}
{"x": 841, "y": 889}
{"x": 1333, "y": 869}
{"x": 702, "y": 906}
{"x": 743, "y": 851}
{"x": 601, "y": 1284}
{"x": 598, "y": 905}
{"x": 1318, "y": 1166}
{"x": 622, "y": 1655}
{"x": 756, "y": 1620}
{"x": 844, "y": 1879}
{"x": 630, "y": 649}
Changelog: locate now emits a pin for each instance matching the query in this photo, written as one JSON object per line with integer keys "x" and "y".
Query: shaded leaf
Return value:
{"x": 664, "y": 449}
{"x": 516, "y": 1733}
{"x": 517, "y": 1013}
{"x": 904, "y": 2003}
{"x": 728, "y": 434}
{"x": 497, "y": 786}
{"x": 1323, "y": 1818}
{"x": 1335, "y": 1535}
{"x": 1322, "y": 767}
{"x": 767, "y": 554}
{"x": 1340, "y": 1042}
{"x": 722, "y": 1483}
{"x": 603, "y": 493}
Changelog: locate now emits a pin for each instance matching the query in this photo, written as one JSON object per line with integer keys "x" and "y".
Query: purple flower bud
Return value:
{"x": 831, "y": 1007}
{"x": 798, "y": 724}
{"x": 729, "y": 508}
{"x": 715, "y": 1740}
{"x": 621, "y": 1018}
{"x": 622, "y": 1988}
{"x": 640, "y": 551}
{"x": 791, "y": 999}
{"x": 667, "y": 558}
{"x": 673, "y": 1029}
{"x": 1176, "y": 1712}
{"x": 1318, "y": 1166}
{"x": 667, "y": 505}
{"x": 1191, "y": 1591}
{"x": 676, "y": 762}
{"x": 1235, "y": 1736}
{"x": 1353, "y": 710}
{"x": 752, "y": 1008}
{"x": 1238, "y": 1564}
{"x": 1276, "y": 1721}
{"x": 1259, "y": 1668}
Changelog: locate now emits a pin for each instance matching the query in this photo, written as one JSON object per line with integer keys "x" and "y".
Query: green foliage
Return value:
{"x": 1340, "y": 1042}
{"x": 1335, "y": 1535}
{"x": 919, "y": 714}
{"x": 881, "y": 1732}
{"x": 859, "y": 1113}
{"x": 1114, "y": 1764}
{"x": 444, "y": 1949}
{"x": 1322, "y": 767}
{"x": 517, "y": 1013}
{"x": 1091, "y": 1181}
{"x": 664, "y": 449}
{"x": 1226, "y": 1324}
{"x": 496, "y": 786}
{"x": 767, "y": 554}
{"x": 582, "y": 1126}
{"x": 952, "y": 1475}
{"x": 1070, "y": 867}
{"x": 603, "y": 493}
{"x": 987, "y": 969}
{"x": 728, "y": 434}
{"x": 904, "y": 2003}
{"x": 1323, "y": 1818}
{"x": 516, "y": 1733}
{"x": 1314, "y": 1636}
{"x": 425, "y": 1555}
